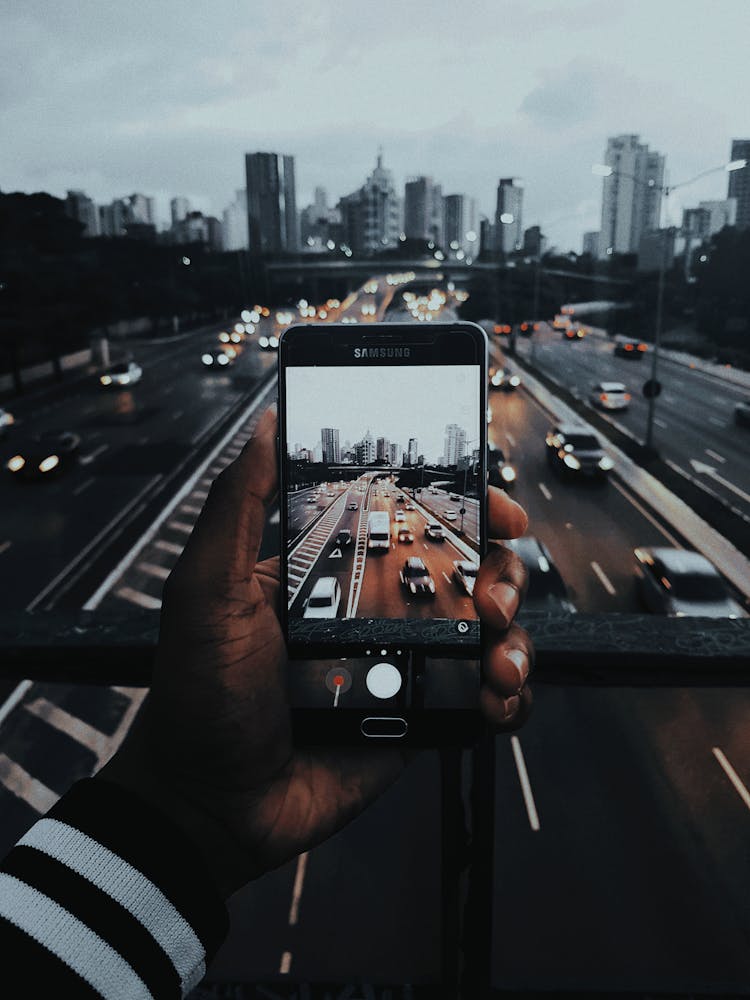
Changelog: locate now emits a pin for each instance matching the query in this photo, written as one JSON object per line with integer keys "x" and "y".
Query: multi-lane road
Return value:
{"x": 622, "y": 815}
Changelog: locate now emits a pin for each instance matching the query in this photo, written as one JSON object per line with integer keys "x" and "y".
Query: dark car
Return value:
{"x": 527, "y": 327}
{"x": 632, "y": 349}
{"x": 217, "y": 359}
{"x": 405, "y": 536}
{"x": 44, "y": 455}
{"x": 742, "y": 413}
{"x": 547, "y": 590}
{"x": 416, "y": 577}
{"x": 505, "y": 379}
{"x": 576, "y": 452}
{"x": 343, "y": 538}
{"x": 500, "y": 471}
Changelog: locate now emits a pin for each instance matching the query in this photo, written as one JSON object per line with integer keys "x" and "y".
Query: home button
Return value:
{"x": 384, "y": 727}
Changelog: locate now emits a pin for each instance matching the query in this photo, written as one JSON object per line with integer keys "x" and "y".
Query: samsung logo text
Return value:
{"x": 382, "y": 352}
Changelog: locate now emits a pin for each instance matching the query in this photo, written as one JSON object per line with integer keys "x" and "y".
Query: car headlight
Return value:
{"x": 413, "y": 588}
{"x": 224, "y": 338}
{"x": 508, "y": 474}
{"x": 223, "y": 359}
{"x": 571, "y": 461}
{"x": 207, "y": 359}
{"x": 49, "y": 463}
{"x": 432, "y": 587}
{"x": 263, "y": 341}
{"x": 606, "y": 463}
{"x": 515, "y": 381}
{"x": 16, "y": 463}
{"x": 273, "y": 342}
{"x": 106, "y": 380}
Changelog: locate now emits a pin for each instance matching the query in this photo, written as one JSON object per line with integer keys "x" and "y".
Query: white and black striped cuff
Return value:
{"x": 105, "y": 898}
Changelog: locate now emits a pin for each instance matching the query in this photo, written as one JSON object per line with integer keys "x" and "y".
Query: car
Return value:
{"x": 44, "y": 455}
{"x": 546, "y": 588}
{"x": 330, "y": 493}
{"x": 500, "y": 471}
{"x": 527, "y": 327}
{"x": 268, "y": 343}
{"x": 124, "y": 373}
{"x": 399, "y": 516}
{"x": 502, "y": 329}
{"x": 610, "y": 396}
{"x": 681, "y": 583}
{"x": 631, "y": 349}
{"x": 409, "y": 505}
{"x": 450, "y": 515}
{"x": 6, "y": 420}
{"x": 573, "y": 333}
{"x": 400, "y": 499}
{"x": 352, "y": 506}
{"x": 324, "y": 599}
{"x": 217, "y": 359}
{"x": 742, "y": 413}
{"x": 404, "y": 535}
{"x": 505, "y": 379}
{"x": 311, "y": 500}
{"x": 343, "y": 538}
{"x": 453, "y": 496}
{"x": 576, "y": 452}
{"x": 434, "y": 532}
{"x": 416, "y": 577}
{"x": 465, "y": 574}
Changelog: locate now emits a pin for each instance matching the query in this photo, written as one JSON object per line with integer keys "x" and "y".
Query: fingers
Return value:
{"x": 506, "y": 518}
{"x": 225, "y": 540}
{"x": 500, "y": 585}
{"x": 505, "y": 696}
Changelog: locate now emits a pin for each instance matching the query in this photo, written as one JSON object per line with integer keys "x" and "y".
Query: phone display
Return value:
{"x": 383, "y": 445}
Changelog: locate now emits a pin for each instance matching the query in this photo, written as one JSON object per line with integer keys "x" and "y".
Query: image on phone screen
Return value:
{"x": 382, "y": 506}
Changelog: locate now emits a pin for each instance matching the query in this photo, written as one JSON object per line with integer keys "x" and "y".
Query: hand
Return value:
{"x": 213, "y": 745}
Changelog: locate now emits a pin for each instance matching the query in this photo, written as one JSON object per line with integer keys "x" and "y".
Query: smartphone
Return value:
{"x": 383, "y": 445}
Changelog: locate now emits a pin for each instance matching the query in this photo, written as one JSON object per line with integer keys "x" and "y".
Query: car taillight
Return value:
{"x": 628, "y": 347}
{"x": 626, "y": 397}
{"x": 604, "y": 397}
{"x": 642, "y": 347}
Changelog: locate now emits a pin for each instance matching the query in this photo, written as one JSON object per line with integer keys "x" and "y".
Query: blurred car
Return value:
{"x": 404, "y": 535}
{"x": 465, "y": 574}
{"x": 434, "y": 532}
{"x": 352, "y": 506}
{"x": 124, "y": 373}
{"x": 217, "y": 359}
{"x": 6, "y": 420}
{"x": 343, "y": 538}
{"x": 680, "y": 583}
{"x": 573, "y": 333}
{"x": 450, "y": 515}
{"x": 610, "y": 396}
{"x": 576, "y": 452}
{"x": 400, "y": 498}
{"x": 324, "y": 599}
{"x": 409, "y": 505}
{"x": 399, "y": 516}
{"x": 627, "y": 348}
{"x": 504, "y": 378}
{"x": 500, "y": 471}
{"x": 311, "y": 499}
{"x": 502, "y": 329}
{"x": 268, "y": 343}
{"x": 742, "y": 413}
{"x": 416, "y": 577}
{"x": 527, "y": 327}
{"x": 546, "y": 590}
{"x": 44, "y": 455}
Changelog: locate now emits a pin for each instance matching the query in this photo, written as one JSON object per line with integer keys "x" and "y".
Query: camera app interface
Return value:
{"x": 382, "y": 507}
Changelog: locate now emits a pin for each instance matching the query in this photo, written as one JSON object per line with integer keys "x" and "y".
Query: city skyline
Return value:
{"x": 536, "y": 95}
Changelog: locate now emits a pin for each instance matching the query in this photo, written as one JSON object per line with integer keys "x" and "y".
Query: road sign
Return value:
{"x": 461, "y": 510}
{"x": 336, "y": 554}
{"x": 652, "y": 388}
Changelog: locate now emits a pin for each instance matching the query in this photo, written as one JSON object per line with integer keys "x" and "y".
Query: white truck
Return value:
{"x": 379, "y": 530}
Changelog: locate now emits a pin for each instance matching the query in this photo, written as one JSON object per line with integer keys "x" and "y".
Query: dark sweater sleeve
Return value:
{"x": 106, "y": 897}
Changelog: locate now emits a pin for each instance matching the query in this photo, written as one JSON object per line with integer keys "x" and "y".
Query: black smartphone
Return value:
{"x": 383, "y": 445}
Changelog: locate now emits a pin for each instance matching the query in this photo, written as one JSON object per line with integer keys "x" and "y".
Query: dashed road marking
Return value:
{"x": 165, "y": 546}
{"x": 660, "y": 423}
{"x": 545, "y": 492}
{"x": 25, "y": 786}
{"x": 177, "y": 414}
{"x": 88, "y": 459}
{"x": 716, "y": 457}
{"x": 523, "y": 777}
{"x": 716, "y": 422}
{"x": 83, "y": 486}
{"x": 649, "y": 517}
{"x": 730, "y": 772}
{"x": 286, "y": 963}
{"x": 180, "y": 526}
{"x": 188, "y": 508}
{"x": 153, "y": 569}
{"x": 138, "y": 597}
{"x": 299, "y": 882}
{"x": 603, "y": 578}
{"x": 199, "y": 495}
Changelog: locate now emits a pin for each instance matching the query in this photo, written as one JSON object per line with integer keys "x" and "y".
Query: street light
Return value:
{"x": 605, "y": 170}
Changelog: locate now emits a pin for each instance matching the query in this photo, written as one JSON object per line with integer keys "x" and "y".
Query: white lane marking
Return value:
{"x": 13, "y": 699}
{"x": 732, "y": 775}
{"x": 545, "y": 492}
{"x": 180, "y": 526}
{"x": 188, "y": 508}
{"x": 510, "y": 439}
{"x": 139, "y": 598}
{"x": 716, "y": 422}
{"x": 199, "y": 495}
{"x": 206, "y": 481}
{"x": 649, "y": 517}
{"x": 299, "y": 882}
{"x": 25, "y": 786}
{"x": 523, "y": 777}
{"x": 177, "y": 414}
{"x": 153, "y": 569}
{"x": 83, "y": 486}
{"x": 446, "y": 576}
{"x": 4, "y": 547}
{"x": 660, "y": 423}
{"x": 78, "y": 730}
{"x": 165, "y": 546}
{"x": 603, "y": 578}
{"x": 88, "y": 459}
{"x": 716, "y": 457}
{"x": 286, "y": 963}
{"x": 669, "y": 398}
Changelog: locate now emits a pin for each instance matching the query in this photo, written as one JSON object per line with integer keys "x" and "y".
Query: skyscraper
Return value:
{"x": 460, "y": 227}
{"x": 80, "y": 207}
{"x": 179, "y": 208}
{"x": 508, "y": 215}
{"x": 271, "y": 203}
{"x": 739, "y": 182}
{"x": 423, "y": 210}
{"x": 412, "y": 452}
{"x": 329, "y": 442}
{"x": 395, "y": 453}
{"x": 455, "y": 444}
{"x": 371, "y": 216}
{"x": 383, "y": 450}
{"x": 631, "y": 194}
{"x": 234, "y": 223}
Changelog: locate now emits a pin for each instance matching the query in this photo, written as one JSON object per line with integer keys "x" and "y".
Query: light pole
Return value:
{"x": 604, "y": 170}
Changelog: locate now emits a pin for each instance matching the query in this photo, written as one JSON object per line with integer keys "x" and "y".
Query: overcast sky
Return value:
{"x": 165, "y": 97}
{"x": 393, "y": 402}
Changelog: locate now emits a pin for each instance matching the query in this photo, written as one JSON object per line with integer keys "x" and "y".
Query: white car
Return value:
{"x": 681, "y": 583}
{"x": 610, "y": 396}
{"x": 465, "y": 574}
{"x": 450, "y": 515}
{"x": 399, "y": 516}
{"x": 127, "y": 373}
{"x": 324, "y": 599}
{"x": 409, "y": 506}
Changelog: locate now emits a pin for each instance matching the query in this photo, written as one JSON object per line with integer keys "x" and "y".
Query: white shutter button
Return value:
{"x": 383, "y": 680}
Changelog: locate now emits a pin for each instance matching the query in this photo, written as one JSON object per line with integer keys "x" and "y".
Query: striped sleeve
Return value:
{"x": 105, "y": 897}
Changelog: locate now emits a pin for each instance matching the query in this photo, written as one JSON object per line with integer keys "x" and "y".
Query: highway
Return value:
{"x": 621, "y": 823}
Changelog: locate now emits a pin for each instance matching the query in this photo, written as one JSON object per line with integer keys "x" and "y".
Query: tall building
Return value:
{"x": 234, "y": 223}
{"x": 412, "y": 452}
{"x": 371, "y": 216}
{"x": 487, "y": 243}
{"x": 178, "y": 208}
{"x": 460, "y": 224}
{"x": 365, "y": 450}
{"x": 455, "y": 444}
{"x": 423, "y": 210}
{"x": 534, "y": 241}
{"x": 508, "y": 215}
{"x": 395, "y": 454}
{"x": 591, "y": 243}
{"x": 721, "y": 213}
{"x": 383, "y": 450}
{"x": 329, "y": 443}
{"x": 739, "y": 182}
{"x": 80, "y": 207}
{"x": 319, "y": 223}
{"x": 631, "y": 195}
{"x": 141, "y": 209}
{"x": 271, "y": 203}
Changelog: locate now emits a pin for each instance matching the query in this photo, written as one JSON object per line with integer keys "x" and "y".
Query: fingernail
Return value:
{"x": 520, "y": 661}
{"x": 511, "y": 706}
{"x": 505, "y": 597}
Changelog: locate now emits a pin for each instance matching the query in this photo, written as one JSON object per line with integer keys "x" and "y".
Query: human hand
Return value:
{"x": 213, "y": 745}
